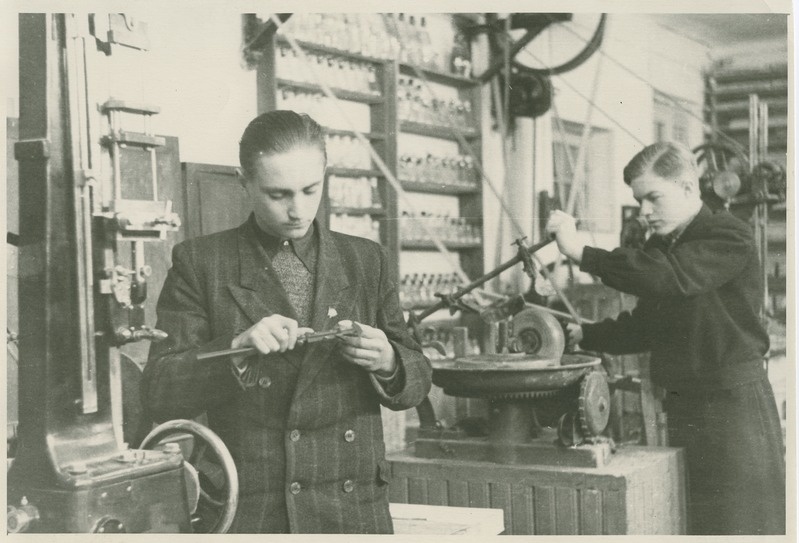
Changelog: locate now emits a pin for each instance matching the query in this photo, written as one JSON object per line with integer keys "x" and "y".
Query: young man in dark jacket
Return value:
{"x": 698, "y": 282}
{"x": 302, "y": 422}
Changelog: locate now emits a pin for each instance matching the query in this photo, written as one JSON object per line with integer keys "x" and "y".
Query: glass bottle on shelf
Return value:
{"x": 428, "y": 51}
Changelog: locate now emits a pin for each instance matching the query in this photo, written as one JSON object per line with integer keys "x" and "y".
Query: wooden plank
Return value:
{"x": 458, "y": 492}
{"x": 478, "y": 494}
{"x": 500, "y": 496}
{"x": 590, "y": 512}
{"x": 614, "y": 512}
{"x": 522, "y": 513}
{"x": 430, "y": 519}
{"x": 545, "y": 518}
{"x": 566, "y": 512}
{"x": 437, "y": 492}
{"x": 398, "y": 490}
{"x": 417, "y": 490}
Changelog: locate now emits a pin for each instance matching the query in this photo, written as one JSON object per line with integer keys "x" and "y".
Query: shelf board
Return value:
{"x": 438, "y": 76}
{"x": 341, "y": 94}
{"x": 429, "y": 246}
{"x": 324, "y": 49}
{"x": 339, "y": 132}
{"x": 374, "y": 211}
{"x": 353, "y": 172}
{"x": 434, "y": 131}
{"x": 439, "y": 188}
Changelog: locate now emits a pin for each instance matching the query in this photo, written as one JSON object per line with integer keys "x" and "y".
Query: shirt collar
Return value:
{"x": 304, "y": 247}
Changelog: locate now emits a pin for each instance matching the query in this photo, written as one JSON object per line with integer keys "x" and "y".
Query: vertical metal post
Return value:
{"x": 79, "y": 111}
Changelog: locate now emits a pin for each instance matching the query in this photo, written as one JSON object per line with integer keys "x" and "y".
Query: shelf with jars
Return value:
{"x": 454, "y": 232}
{"x": 422, "y": 111}
{"x": 370, "y": 62}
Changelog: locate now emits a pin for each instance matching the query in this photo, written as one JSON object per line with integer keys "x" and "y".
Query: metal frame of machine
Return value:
{"x": 79, "y": 303}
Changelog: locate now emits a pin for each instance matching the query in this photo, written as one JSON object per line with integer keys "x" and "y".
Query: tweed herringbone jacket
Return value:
{"x": 306, "y": 432}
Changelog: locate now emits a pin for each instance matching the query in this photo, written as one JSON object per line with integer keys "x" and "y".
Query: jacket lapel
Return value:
{"x": 259, "y": 292}
{"x": 333, "y": 302}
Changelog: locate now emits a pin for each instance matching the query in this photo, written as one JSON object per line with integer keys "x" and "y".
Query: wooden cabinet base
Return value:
{"x": 640, "y": 491}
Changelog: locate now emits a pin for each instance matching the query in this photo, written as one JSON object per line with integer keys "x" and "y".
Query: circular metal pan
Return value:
{"x": 482, "y": 376}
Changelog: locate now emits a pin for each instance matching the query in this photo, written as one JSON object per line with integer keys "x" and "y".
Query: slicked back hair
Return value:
{"x": 278, "y": 132}
{"x": 667, "y": 159}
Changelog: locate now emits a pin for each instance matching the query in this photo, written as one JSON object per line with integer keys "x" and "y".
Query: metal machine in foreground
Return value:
{"x": 81, "y": 213}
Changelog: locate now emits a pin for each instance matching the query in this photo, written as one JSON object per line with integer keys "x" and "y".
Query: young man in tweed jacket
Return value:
{"x": 302, "y": 422}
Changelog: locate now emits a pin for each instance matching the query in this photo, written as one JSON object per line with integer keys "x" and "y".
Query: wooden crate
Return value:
{"x": 641, "y": 491}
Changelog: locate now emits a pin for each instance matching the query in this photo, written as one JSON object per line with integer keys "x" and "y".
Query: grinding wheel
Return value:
{"x": 537, "y": 333}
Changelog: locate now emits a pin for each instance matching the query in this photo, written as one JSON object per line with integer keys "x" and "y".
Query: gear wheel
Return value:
{"x": 527, "y": 395}
{"x": 593, "y": 404}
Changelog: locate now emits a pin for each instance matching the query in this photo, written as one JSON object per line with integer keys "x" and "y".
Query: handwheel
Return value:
{"x": 218, "y": 480}
{"x": 723, "y": 172}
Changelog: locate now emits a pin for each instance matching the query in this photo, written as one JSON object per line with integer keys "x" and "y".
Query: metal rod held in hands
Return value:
{"x": 314, "y": 337}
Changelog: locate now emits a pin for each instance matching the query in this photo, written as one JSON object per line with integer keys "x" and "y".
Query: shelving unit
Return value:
{"x": 385, "y": 130}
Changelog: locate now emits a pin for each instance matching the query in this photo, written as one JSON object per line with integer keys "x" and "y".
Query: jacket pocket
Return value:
{"x": 383, "y": 472}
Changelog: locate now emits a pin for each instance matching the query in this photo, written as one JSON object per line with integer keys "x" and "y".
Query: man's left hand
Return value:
{"x": 564, "y": 228}
{"x": 371, "y": 350}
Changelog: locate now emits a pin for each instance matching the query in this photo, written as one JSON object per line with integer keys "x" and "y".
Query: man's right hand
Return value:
{"x": 574, "y": 333}
{"x": 271, "y": 334}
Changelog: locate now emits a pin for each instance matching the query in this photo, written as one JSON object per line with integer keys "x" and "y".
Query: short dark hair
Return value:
{"x": 278, "y": 132}
{"x": 667, "y": 159}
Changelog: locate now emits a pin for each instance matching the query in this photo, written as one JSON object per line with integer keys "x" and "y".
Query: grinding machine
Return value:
{"x": 545, "y": 406}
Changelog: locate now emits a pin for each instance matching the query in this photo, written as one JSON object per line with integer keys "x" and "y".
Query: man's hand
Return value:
{"x": 370, "y": 350}
{"x": 564, "y": 228}
{"x": 272, "y": 334}
{"x": 574, "y": 335}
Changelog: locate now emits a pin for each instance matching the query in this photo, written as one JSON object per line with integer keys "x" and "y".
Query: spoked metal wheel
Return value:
{"x": 211, "y": 474}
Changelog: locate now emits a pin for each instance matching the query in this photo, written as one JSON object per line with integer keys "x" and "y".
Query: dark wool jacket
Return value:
{"x": 306, "y": 433}
{"x": 698, "y": 304}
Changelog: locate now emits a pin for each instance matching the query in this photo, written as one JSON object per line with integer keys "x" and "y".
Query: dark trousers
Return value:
{"x": 735, "y": 459}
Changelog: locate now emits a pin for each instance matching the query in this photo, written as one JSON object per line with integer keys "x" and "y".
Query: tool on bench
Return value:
{"x": 313, "y": 337}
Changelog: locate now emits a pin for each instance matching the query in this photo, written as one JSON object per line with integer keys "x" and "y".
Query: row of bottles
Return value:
{"x": 448, "y": 229}
{"x": 457, "y": 170}
{"x": 403, "y": 36}
{"x": 363, "y": 226}
{"x": 317, "y": 105}
{"x": 420, "y": 289}
{"x": 416, "y": 103}
{"x": 414, "y": 35}
{"x": 345, "y": 151}
{"x": 362, "y": 33}
{"x": 361, "y": 192}
{"x": 334, "y": 71}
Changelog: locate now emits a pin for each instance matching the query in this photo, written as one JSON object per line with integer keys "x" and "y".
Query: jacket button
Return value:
{"x": 348, "y": 486}
{"x": 295, "y": 488}
{"x": 349, "y": 436}
{"x": 294, "y": 435}
{"x": 264, "y": 382}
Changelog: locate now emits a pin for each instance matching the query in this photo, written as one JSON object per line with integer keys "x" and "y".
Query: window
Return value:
{"x": 672, "y": 118}
{"x": 594, "y": 203}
